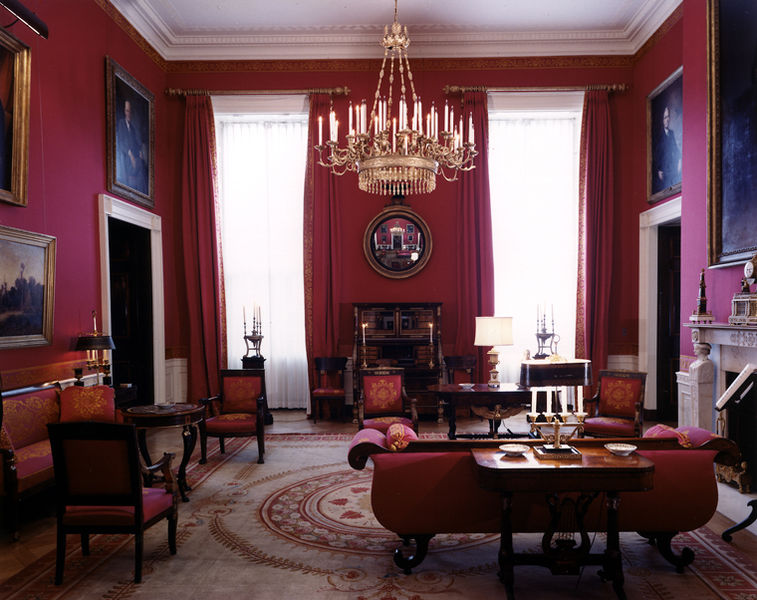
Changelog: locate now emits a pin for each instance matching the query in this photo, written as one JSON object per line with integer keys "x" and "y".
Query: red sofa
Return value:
{"x": 27, "y": 462}
{"x": 432, "y": 487}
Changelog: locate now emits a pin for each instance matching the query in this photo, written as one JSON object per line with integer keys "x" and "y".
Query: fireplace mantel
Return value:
{"x": 719, "y": 348}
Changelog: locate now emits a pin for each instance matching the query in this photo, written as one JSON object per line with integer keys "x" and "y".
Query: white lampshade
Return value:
{"x": 494, "y": 331}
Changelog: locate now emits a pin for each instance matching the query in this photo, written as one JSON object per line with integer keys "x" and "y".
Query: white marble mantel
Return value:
{"x": 719, "y": 348}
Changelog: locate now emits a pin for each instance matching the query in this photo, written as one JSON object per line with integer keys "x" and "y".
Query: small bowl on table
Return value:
{"x": 466, "y": 386}
{"x": 514, "y": 450}
{"x": 621, "y": 449}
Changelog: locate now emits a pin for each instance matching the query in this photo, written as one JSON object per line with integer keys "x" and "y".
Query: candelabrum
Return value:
{"x": 255, "y": 337}
{"x": 547, "y": 340}
{"x": 557, "y": 440}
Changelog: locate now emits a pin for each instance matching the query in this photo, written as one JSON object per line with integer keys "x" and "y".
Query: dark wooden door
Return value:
{"x": 668, "y": 320}
{"x": 131, "y": 307}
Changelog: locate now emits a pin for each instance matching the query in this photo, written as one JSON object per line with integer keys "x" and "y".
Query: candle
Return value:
{"x": 549, "y": 402}
{"x": 580, "y": 399}
{"x": 430, "y": 333}
{"x": 446, "y": 117}
{"x": 349, "y": 125}
{"x": 533, "y": 402}
{"x": 320, "y": 131}
{"x": 244, "y": 316}
{"x": 364, "y": 326}
{"x": 94, "y": 321}
{"x": 564, "y": 400}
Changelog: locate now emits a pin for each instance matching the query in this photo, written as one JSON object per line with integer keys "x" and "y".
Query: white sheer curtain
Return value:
{"x": 533, "y": 166}
{"x": 261, "y": 171}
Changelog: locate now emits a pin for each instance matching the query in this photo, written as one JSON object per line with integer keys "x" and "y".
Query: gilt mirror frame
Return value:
{"x": 379, "y": 245}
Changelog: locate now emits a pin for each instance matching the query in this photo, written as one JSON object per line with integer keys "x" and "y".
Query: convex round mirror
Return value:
{"x": 397, "y": 243}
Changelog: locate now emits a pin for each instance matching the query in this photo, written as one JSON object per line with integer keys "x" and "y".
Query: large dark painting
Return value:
{"x": 733, "y": 130}
{"x": 15, "y": 85}
{"x": 665, "y": 137}
{"x": 131, "y": 136}
{"x": 27, "y": 277}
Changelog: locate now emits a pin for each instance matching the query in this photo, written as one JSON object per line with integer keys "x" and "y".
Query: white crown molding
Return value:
{"x": 360, "y": 42}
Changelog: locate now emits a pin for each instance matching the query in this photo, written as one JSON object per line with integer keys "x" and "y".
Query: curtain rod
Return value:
{"x": 610, "y": 87}
{"x": 336, "y": 91}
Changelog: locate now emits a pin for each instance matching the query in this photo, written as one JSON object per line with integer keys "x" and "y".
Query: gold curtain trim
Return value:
{"x": 610, "y": 87}
{"x": 336, "y": 91}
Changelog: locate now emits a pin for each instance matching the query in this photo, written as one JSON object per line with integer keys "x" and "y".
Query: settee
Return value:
{"x": 426, "y": 487}
{"x": 25, "y": 454}
{"x": 27, "y": 462}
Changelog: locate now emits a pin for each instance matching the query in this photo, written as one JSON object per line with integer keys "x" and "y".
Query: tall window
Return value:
{"x": 262, "y": 148}
{"x": 533, "y": 170}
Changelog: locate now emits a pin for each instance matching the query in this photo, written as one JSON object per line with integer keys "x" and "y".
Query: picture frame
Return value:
{"x": 15, "y": 93}
{"x": 130, "y": 132}
{"x": 27, "y": 296}
{"x": 732, "y": 131}
{"x": 665, "y": 138}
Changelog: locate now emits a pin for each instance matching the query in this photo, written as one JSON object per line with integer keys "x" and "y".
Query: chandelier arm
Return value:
{"x": 378, "y": 91}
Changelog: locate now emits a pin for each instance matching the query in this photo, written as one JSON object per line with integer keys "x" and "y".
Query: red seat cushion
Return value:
{"x": 231, "y": 423}
{"x": 34, "y": 464}
{"x": 328, "y": 392}
{"x": 154, "y": 502}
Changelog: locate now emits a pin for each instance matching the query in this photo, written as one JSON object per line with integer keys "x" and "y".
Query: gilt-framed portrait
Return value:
{"x": 27, "y": 282}
{"x": 15, "y": 86}
{"x": 665, "y": 137}
{"x": 130, "y": 127}
{"x": 732, "y": 129}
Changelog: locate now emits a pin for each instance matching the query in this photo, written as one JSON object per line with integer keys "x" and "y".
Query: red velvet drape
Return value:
{"x": 595, "y": 231}
{"x": 202, "y": 252}
{"x": 475, "y": 256}
{"x": 322, "y": 246}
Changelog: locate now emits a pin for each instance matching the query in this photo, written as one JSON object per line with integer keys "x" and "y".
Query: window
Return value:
{"x": 533, "y": 158}
{"x": 262, "y": 148}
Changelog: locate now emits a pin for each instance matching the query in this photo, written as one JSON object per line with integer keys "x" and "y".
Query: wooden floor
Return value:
{"x": 38, "y": 526}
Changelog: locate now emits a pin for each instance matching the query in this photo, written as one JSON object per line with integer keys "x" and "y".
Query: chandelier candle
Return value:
{"x": 399, "y": 156}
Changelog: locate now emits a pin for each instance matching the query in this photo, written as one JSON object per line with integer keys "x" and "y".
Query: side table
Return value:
{"x": 155, "y": 416}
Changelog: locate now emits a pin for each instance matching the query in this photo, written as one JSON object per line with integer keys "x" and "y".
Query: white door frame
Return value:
{"x": 649, "y": 222}
{"x": 123, "y": 211}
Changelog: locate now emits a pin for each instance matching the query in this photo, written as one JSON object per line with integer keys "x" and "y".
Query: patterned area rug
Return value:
{"x": 301, "y": 526}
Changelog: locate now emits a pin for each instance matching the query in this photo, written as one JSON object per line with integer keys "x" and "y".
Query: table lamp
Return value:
{"x": 494, "y": 331}
{"x": 94, "y": 343}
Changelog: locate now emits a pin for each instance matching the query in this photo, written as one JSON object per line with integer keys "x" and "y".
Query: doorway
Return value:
{"x": 131, "y": 308}
{"x": 112, "y": 209}
{"x": 668, "y": 319}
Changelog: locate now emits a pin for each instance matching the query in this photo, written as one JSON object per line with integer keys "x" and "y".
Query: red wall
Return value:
{"x": 67, "y": 165}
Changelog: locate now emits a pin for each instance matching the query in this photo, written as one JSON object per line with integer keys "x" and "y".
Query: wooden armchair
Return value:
{"x": 616, "y": 410}
{"x": 329, "y": 383}
{"x": 98, "y": 480}
{"x": 238, "y": 411}
{"x": 383, "y": 400}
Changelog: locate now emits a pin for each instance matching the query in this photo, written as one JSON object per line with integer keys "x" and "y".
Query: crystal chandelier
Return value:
{"x": 398, "y": 151}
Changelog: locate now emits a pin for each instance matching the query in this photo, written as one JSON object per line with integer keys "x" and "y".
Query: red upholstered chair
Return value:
{"x": 329, "y": 383}
{"x": 98, "y": 481}
{"x": 92, "y": 403}
{"x": 238, "y": 411}
{"x": 383, "y": 400}
{"x": 617, "y": 408}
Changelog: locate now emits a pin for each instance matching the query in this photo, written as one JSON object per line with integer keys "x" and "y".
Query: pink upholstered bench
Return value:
{"x": 431, "y": 487}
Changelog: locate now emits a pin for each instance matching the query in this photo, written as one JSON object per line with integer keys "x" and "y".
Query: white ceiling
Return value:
{"x": 297, "y": 29}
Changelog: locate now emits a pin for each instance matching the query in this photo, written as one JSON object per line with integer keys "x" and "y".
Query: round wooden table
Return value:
{"x": 154, "y": 416}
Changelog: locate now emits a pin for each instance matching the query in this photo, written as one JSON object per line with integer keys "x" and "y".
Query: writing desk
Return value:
{"x": 597, "y": 472}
